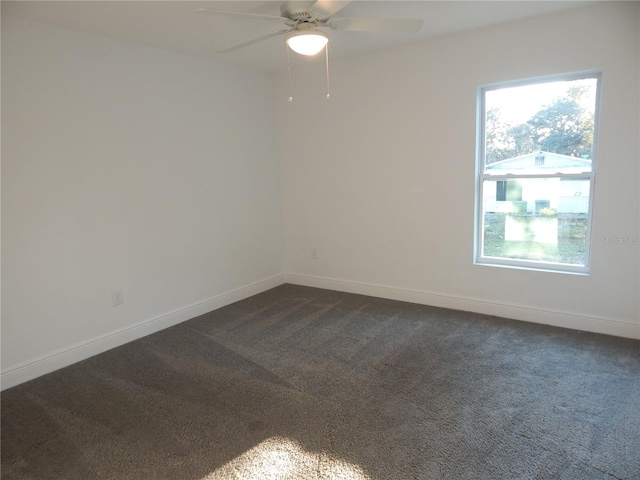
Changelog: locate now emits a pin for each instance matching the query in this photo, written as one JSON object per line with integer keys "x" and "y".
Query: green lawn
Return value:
{"x": 568, "y": 246}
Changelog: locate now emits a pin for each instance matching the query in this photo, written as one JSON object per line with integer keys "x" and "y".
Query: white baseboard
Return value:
{"x": 46, "y": 364}
{"x": 517, "y": 312}
{"x": 62, "y": 358}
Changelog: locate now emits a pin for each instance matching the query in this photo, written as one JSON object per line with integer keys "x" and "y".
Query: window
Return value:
{"x": 536, "y": 172}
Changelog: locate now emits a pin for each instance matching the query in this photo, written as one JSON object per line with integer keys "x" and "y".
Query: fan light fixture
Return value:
{"x": 306, "y": 42}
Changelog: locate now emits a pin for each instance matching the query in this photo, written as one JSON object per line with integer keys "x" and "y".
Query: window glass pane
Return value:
{"x": 536, "y": 219}
{"x": 540, "y": 128}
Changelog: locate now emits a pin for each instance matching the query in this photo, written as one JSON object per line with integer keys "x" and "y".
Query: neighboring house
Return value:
{"x": 562, "y": 195}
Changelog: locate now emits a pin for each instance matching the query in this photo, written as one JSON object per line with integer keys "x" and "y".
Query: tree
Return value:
{"x": 505, "y": 140}
{"x": 522, "y": 139}
{"x": 564, "y": 126}
{"x": 497, "y": 142}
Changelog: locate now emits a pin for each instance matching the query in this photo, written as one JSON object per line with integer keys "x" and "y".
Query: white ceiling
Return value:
{"x": 172, "y": 25}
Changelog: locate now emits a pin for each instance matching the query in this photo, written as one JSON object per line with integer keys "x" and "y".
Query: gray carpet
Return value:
{"x": 304, "y": 383}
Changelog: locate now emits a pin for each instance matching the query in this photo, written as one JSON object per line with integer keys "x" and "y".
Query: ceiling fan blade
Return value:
{"x": 376, "y": 25}
{"x": 211, "y": 11}
{"x": 255, "y": 40}
{"x": 326, "y": 8}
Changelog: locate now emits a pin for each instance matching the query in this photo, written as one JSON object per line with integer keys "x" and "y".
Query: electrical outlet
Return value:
{"x": 116, "y": 297}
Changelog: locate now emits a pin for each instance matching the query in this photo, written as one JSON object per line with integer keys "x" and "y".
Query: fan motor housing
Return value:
{"x": 298, "y": 10}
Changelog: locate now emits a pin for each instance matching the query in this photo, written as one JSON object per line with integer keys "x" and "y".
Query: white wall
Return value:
{"x": 126, "y": 167}
{"x": 380, "y": 179}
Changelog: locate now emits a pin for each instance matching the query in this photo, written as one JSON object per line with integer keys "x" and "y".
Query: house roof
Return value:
{"x": 541, "y": 162}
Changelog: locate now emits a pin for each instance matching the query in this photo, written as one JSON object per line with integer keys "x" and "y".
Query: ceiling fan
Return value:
{"x": 305, "y": 18}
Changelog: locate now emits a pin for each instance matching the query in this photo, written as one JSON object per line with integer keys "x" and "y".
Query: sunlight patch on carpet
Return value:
{"x": 279, "y": 458}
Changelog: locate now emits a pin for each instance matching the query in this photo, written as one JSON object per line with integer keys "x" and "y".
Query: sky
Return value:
{"x": 518, "y": 104}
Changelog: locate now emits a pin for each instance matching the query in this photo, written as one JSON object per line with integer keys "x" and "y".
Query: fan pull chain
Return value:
{"x": 326, "y": 56}
{"x": 288, "y": 71}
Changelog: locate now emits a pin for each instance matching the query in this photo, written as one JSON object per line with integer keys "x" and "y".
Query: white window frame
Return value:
{"x": 482, "y": 176}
